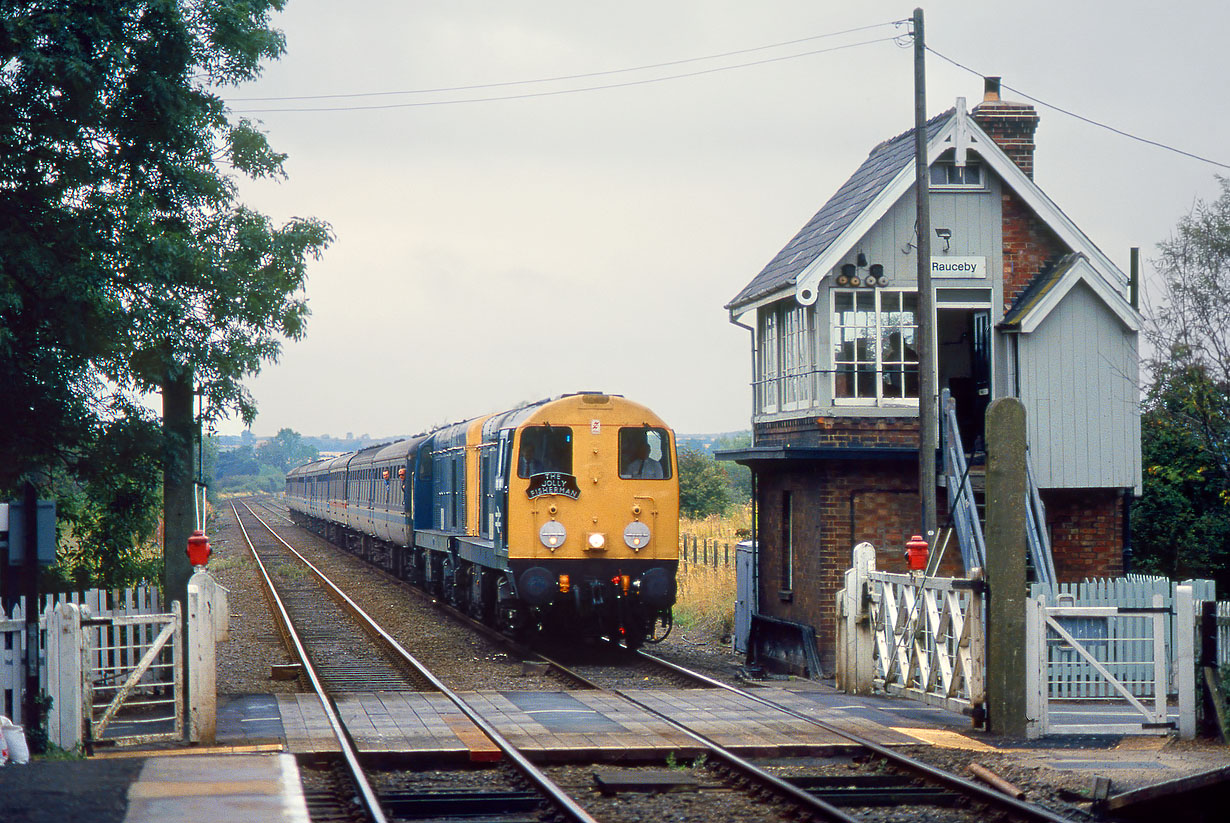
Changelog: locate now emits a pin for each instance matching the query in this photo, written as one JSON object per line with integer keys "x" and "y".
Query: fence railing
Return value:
{"x": 707, "y": 551}
{"x": 142, "y": 600}
{"x": 1223, "y": 633}
{"x": 1124, "y": 645}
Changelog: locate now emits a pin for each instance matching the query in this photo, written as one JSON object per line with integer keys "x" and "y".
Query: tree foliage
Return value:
{"x": 703, "y": 484}
{"x": 1181, "y": 525}
{"x": 125, "y": 254}
{"x": 285, "y": 450}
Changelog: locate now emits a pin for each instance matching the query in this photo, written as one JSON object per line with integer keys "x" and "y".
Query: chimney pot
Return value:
{"x": 990, "y": 89}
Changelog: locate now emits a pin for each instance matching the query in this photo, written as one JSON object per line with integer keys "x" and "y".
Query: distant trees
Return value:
{"x": 262, "y": 467}
{"x": 286, "y": 450}
{"x": 1181, "y": 524}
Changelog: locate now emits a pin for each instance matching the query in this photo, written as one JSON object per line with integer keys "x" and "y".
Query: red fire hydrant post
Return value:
{"x": 916, "y": 553}
{"x": 198, "y": 549}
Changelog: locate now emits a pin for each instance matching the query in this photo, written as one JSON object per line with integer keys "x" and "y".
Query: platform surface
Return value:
{"x": 210, "y": 788}
{"x": 603, "y": 725}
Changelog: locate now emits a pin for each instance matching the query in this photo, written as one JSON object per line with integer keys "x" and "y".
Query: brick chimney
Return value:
{"x": 1010, "y": 125}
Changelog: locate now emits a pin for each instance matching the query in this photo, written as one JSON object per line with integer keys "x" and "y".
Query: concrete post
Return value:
{"x": 855, "y": 634}
{"x": 1006, "y": 550}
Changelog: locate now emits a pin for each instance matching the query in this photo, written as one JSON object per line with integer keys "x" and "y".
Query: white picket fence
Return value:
{"x": 1123, "y": 646}
{"x": 113, "y": 664}
{"x": 142, "y": 600}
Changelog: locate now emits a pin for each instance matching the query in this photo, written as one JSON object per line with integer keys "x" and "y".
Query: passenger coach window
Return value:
{"x": 544, "y": 449}
{"x": 644, "y": 453}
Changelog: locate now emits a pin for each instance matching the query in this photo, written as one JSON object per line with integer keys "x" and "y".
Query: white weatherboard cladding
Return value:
{"x": 973, "y": 217}
{"x": 1079, "y": 382}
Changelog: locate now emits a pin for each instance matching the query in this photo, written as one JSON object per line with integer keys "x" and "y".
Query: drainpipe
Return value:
{"x": 752, "y": 469}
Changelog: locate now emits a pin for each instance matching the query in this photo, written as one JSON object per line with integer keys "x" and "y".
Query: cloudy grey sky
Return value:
{"x": 509, "y": 250}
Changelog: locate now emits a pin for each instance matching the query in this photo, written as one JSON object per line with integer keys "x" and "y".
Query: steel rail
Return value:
{"x": 367, "y": 795}
{"x": 968, "y": 786}
{"x": 531, "y": 772}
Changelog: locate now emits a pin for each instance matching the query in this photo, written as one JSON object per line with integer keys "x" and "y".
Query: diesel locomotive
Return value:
{"x": 560, "y": 516}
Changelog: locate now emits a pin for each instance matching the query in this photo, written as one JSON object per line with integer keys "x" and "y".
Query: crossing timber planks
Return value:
{"x": 581, "y": 724}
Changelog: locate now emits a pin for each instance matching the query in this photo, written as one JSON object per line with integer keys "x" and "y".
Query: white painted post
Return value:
{"x": 207, "y": 620}
{"x": 843, "y": 633}
{"x": 1161, "y": 683}
{"x": 1035, "y": 667}
{"x": 1185, "y": 659}
{"x": 862, "y": 633}
{"x": 975, "y": 673}
{"x": 65, "y": 675}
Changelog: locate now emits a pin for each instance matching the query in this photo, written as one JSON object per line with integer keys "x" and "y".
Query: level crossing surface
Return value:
{"x": 604, "y": 725}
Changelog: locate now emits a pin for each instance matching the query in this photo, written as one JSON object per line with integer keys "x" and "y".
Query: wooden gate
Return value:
{"x": 134, "y": 679}
{"x": 1124, "y": 651}
{"x": 911, "y": 636}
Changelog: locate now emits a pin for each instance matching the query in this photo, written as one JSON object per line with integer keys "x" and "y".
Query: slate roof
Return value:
{"x": 883, "y": 164}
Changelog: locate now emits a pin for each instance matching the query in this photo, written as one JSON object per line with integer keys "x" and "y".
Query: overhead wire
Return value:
{"x": 557, "y": 92}
{"x": 563, "y": 77}
{"x": 1083, "y": 118}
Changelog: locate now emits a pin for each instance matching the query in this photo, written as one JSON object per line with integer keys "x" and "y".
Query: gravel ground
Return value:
{"x": 244, "y": 661}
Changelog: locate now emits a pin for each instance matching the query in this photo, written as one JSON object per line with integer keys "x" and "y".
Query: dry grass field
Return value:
{"x": 707, "y": 589}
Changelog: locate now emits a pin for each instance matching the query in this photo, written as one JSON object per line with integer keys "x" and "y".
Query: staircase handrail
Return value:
{"x": 1035, "y": 528}
{"x": 961, "y": 491}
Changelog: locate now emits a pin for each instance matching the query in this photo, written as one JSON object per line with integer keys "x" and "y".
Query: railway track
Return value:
{"x": 869, "y": 782}
{"x": 461, "y": 804}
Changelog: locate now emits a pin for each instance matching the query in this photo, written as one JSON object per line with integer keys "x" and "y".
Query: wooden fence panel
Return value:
{"x": 1125, "y": 645}
{"x": 13, "y": 640}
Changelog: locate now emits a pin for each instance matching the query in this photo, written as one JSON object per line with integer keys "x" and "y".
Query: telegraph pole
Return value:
{"x": 928, "y": 430}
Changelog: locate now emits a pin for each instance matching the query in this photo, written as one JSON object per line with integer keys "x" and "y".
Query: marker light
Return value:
{"x": 636, "y": 535}
{"x": 597, "y": 541}
{"x": 565, "y": 584}
{"x": 552, "y": 534}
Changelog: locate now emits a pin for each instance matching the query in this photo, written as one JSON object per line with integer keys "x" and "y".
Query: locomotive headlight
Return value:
{"x": 597, "y": 541}
{"x": 636, "y": 535}
{"x": 552, "y": 534}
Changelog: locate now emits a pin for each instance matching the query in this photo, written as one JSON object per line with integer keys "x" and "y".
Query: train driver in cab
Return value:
{"x": 638, "y": 464}
{"x": 530, "y": 464}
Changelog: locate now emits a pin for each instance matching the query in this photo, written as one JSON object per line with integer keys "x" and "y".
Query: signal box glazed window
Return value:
{"x": 644, "y": 453}
{"x": 544, "y": 449}
{"x": 875, "y": 352}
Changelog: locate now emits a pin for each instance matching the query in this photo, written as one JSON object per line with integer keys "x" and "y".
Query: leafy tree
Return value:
{"x": 127, "y": 263}
{"x": 285, "y": 450}
{"x": 238, "y": 461}
{"x": 1190, "y": 329}
{"x": 1181, "y": 524}
{"x": 703, "y": 484}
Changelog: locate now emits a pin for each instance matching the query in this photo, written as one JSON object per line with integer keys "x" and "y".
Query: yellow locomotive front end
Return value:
{"x": 593, "y": 518}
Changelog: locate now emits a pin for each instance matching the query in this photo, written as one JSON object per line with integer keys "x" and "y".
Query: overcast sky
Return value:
{"x": 495, "y": 252}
